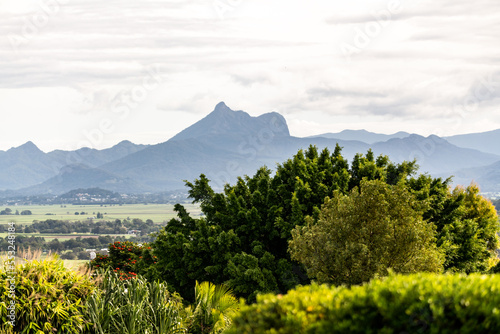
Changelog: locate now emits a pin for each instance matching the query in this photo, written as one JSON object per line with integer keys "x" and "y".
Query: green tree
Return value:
{"x": 466, "y": 223}
{"x": 366, "y": 233}
{"x": 470, "y": 239}
{"x": 7, "y": 211}
{"x": 242, "y": 240}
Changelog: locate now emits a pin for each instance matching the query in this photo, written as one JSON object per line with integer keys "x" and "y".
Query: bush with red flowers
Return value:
{"x": 125, "y": 258}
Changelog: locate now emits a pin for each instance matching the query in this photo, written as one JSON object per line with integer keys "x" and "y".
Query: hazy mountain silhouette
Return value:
{"x": 82, "y": 176}
{"x": 434, "y": 155}
{"x": 487, "y": 177}
{"x": 223, "y": 145}
{"x": 488, "y": 142}
{"x": 362, "y": 135}
{"x": 226, "y": 122}
{"x": 27, "y": 165}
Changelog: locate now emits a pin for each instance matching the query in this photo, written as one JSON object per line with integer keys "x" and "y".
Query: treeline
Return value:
{"x": 496, "y": 203}
{"x": 8, "y": 211}
{"x": 51, "y": 226}
{"x": 75, "y": 245}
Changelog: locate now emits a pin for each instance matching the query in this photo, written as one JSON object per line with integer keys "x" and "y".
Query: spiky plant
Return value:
{"x": 133, "y": 306}
{"x": 214, "y": 306}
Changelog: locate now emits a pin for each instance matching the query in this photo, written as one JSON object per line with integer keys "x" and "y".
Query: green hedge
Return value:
{"x": 419, "y": 303}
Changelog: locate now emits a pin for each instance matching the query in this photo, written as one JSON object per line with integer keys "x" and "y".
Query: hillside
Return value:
{"x": 434, "y": 154}
{"x": 362, "y": 135}
{"x": 486, "y": 141}
{"x": 81, "y": 176}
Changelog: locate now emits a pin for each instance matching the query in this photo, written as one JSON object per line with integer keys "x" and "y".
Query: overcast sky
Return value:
{"x": 92, "y": 73}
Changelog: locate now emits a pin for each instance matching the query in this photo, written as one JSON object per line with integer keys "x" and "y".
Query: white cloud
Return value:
{"x": 76, "y": 61}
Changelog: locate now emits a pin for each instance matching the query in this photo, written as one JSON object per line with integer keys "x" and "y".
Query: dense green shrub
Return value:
{"x": 49, "y": 297}
{"x": 418, "y": 303}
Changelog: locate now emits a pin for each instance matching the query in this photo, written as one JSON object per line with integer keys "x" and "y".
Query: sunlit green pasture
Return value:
{"x": 157, "y": 212}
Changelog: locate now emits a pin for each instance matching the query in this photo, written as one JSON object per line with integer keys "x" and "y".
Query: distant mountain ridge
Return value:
{"x": 27, "y": 165}
{"x": 362, "y": 135}
{"x": 434, "y": 154}
{"x": 488, "y": 142}
{"x": 223, "y": 145}
{"x": 81, "y": 176}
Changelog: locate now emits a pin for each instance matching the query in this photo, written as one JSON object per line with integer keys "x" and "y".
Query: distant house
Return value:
{"x": 134, "y": 232}
{"x": 103, "y": 251}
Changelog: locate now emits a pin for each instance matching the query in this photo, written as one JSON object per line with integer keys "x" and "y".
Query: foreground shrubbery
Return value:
{"x": 418, "y": 303}
{"x": 49, "y": 297}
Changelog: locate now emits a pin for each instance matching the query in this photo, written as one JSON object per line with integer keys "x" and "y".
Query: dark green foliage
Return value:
{"x": 97, "y": 227}
{"x": 243, "y": 239}
{"x": 418, "y": 303}
{"x": 7, "y": 211}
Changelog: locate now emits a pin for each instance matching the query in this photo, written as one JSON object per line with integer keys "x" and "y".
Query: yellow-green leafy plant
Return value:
{"x": 365, "y": 234}
{"x": 416, "y": 303}
{"x": 50, "y": 298}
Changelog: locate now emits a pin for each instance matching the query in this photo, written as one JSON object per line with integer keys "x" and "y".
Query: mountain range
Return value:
{"x": 226, "y": 144}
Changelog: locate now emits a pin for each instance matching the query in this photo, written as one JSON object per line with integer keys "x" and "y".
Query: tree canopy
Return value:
{"x": 366, "y": 233}
{"x": 242, "y": 239}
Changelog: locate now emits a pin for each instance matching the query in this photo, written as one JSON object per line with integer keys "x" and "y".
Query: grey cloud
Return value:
{"x": 318, "y": 93}
{"x": 249, "y": 80}
{"x": 442, "y": 10}
{"x": 398, "y": 108}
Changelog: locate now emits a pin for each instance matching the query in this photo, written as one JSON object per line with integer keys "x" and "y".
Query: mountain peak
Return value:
{"x": 225, "y": 121}
{"x": 28, "y": 147}
{"x": 221, "y": 106}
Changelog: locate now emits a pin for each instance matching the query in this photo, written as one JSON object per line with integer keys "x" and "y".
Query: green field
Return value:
{"x": 63, "y": 237}
{"x": 157, "y": 212}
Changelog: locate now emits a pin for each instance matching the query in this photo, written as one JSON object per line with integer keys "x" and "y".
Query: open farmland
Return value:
{"x": 158, "y": 213}
{"x": 62, "y": 237}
